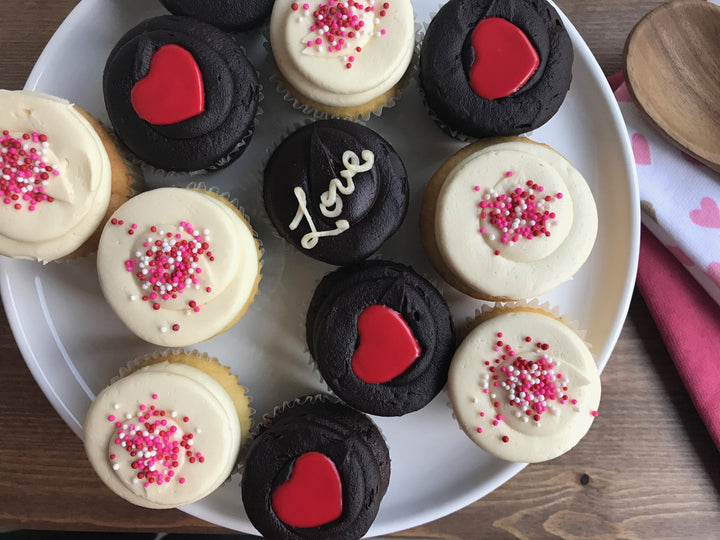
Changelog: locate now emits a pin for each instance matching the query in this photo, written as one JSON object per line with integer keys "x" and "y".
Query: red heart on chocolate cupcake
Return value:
{"x": 387, "y": 345}
{"x": 504, "y": 58}
{"x": 312, "y": 496}
{"x": 172, "y": 91}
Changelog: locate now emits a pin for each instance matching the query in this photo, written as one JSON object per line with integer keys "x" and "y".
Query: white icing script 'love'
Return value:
{"x": 331, "y": 204}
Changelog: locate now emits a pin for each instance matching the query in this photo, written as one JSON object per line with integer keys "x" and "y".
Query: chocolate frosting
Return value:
{"x": 310, "y": 158}
{"x": 225, "y": 14}
{"x": 231, "y": 88}
{"x": 332, "y": 335}
{"x": 349, "y": 438}
{"x": 447, "y": 55}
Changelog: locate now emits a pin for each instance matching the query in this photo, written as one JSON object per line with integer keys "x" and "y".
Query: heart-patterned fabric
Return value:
{"x": 680, "y": 195}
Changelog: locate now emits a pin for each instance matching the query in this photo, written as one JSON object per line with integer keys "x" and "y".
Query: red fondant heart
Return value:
{"x": 173, "y": 89}
{"x": 387, "y": 345}
{"x": 312, "y": 496}
{"x": 504, "y": 58}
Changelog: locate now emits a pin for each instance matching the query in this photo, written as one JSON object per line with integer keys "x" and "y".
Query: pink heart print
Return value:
{"x": 641, "y": 149}
{"x": 708, "y": 215}
{"x": 622, "y": 94}
{"x": 713, "y": 272}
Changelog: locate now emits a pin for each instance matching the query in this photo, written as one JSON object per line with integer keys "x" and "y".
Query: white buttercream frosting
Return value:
{"x": 560, "y": 414}
{"x": 473, "y": 248}
{"x": 320, "y": 72}
{"x": 191, "y": 403}
{"x": 80, "y": 190}
{"x": 212, "y": 290}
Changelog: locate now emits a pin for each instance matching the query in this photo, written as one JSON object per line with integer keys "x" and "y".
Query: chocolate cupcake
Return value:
{"x": 495, "y": 68}
{"x": 317, "y": 470}
{"x": 181, "y": 94}
{"x": 226, "y": 14}
{"x": 382, "y": 337}
{"x": 336, "y": 191}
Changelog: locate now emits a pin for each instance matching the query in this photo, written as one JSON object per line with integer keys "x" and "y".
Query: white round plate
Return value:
{"x": 74, "y": 344}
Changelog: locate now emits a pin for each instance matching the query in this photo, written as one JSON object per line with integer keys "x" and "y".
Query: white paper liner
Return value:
{"x": 454, "y": 133}
{"x": 247, "y": 438}
{"x": 485, "y": 312}
{"x": 287, "y": 95}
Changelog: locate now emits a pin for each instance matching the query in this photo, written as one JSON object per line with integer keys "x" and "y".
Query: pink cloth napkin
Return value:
{"x": 683, "y": 305}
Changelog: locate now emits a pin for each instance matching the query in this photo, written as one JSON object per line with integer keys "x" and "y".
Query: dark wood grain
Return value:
{"x": 646, "y": 469}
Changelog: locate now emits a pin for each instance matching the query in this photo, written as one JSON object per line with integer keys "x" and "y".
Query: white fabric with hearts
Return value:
{"x": 680, "y": 198}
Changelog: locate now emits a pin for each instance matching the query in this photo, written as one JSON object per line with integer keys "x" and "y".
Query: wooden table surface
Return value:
{"x": 646, "y": 469}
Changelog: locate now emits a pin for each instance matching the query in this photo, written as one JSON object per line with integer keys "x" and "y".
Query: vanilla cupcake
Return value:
{"x": 523, "y": 386}
{"x": 62, "y": 175}
{"x": 178, "y": 266}
{"x": 343, "y": 58}
{"x": 168, "y": 433}
{"x": 507, "y": 219}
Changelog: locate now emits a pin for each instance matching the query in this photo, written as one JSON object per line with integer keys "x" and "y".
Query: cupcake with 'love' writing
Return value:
{"x": 335, "y": 190}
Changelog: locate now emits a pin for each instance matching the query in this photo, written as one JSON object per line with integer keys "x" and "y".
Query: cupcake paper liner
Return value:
{"x": 483, "y": 312}
{"x": 281, "y": 88}
{"x": 418, "y": 79}
{"x": 135, "y": 186}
